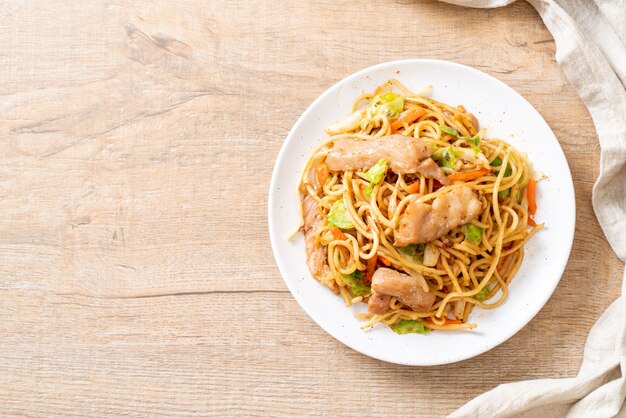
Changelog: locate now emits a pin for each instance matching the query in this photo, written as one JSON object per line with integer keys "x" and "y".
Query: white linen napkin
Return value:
{"x": 590, "y": 39}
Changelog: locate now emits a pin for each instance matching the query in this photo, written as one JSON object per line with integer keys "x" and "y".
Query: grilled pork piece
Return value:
{"x": 405, "y": 155}
{"x": 315, "y": 253}
{"x": 422, "y": 222}
{"x": 388, "y": 282}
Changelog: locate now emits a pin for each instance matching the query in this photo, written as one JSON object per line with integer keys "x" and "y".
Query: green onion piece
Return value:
{"x": 483, "y": 294}
{"x": 474, "y": 140}
{"x": 497, "y": 162}
{"x": 449, "y": 130}
{"x": 503, "y": 194}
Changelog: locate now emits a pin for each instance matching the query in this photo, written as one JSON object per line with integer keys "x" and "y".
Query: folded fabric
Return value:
{"x": 590, "y": 38}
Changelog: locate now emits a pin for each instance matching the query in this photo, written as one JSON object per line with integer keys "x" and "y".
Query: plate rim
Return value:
{"x": 283, "y": 269}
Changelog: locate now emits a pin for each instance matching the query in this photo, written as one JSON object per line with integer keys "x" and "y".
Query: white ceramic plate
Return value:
{"x": 506, "y": 115}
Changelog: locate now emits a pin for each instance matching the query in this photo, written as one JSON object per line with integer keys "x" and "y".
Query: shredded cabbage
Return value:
{"x": 356, "y": 285}
{"x": 413, "y": 252}
{"x": 410, "y": 326}
{"x": 474, "y": 143}
{"x": 389, "y": 104}
{"x": 338, "y": 216}
{"x": 446, "y": 157}
{"x": 375, "y": 174}
{"x": 431, "y": 255}
{"x": 473, "y": 233}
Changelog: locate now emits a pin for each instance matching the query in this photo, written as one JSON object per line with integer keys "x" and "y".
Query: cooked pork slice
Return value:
{"x": 378, "y": 304}
{"x": 390, "y": 282}
{"x": 429, "y": 169}
{"x": 403, "y": 153}
{"x": 422, "y": 222}
{"x": 315, "y": 254}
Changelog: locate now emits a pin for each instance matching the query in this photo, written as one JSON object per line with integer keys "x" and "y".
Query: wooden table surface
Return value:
{"x": 137, "y": 144}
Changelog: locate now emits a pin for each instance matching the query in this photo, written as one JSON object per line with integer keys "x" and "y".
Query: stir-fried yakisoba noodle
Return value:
{"x": 410, "y": 209}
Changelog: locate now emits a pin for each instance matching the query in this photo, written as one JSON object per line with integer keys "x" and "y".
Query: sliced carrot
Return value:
{"x": 531, "y": 222}
{"x": 410, "y": 117}
{"x": 468, "y": 176}
{"x": 371, "y": 267}
{"x": 384, "y": 260}
{"x": 321, "y": 173}
{"x": 531, "y": 190}
{"x": 413, "y": 187}
{"x": 337, "y": 234}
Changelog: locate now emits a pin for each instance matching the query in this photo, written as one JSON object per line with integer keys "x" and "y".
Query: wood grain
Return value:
{"x": 137, "y": 143}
